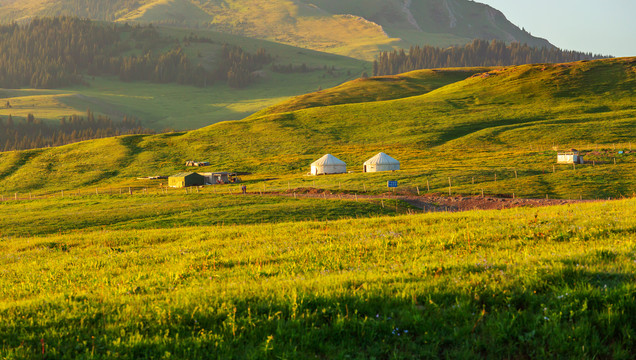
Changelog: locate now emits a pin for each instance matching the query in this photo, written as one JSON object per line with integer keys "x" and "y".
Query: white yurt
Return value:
{"x": 328, "y": 164}
{"x": 381, "y": 162}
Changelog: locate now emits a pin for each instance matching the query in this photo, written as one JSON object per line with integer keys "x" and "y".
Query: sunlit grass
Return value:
{"x": 546, "y": 282}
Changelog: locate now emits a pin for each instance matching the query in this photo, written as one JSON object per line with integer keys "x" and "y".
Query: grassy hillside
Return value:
{"x": 161, "y": 106}
{"x": 520, "y": 283}
{"x": 488, "y": 125}
{"x": 377, "y": 88}
{"x": 353, "y": 28}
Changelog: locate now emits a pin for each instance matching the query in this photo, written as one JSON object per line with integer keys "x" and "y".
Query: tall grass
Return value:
{"x": 520, "y": 283}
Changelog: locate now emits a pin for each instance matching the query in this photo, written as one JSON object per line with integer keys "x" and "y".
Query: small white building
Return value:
{"x": 328, "y": 164}
{"x": 381, "y": 162}
{"x": 569, "y": 157}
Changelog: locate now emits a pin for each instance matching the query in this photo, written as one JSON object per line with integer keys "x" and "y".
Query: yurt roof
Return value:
{"x": 328, "y": 160}
{"x": 382, "y": 159}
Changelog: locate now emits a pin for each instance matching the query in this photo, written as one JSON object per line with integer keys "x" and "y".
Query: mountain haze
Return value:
{"x": 357, "y": 28}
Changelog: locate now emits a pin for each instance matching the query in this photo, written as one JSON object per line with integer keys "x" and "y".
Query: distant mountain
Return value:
{"x": 357, "y": 28}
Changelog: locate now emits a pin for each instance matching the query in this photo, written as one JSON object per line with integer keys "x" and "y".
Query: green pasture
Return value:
{"x": 552, "y": 282}
{"x": 505, "y": 121}
{"x": 111, "y": 209}
{"x": 181, "y": 107}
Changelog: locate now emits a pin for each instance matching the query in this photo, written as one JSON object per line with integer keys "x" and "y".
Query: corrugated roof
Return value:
{"x": 382, "y": 159}
{"x": 328, "y": 160}
{"x": 182, "y": 174}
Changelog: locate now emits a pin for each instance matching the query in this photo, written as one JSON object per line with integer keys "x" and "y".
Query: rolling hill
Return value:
{"x": 353, "y": 28}
{"x": 498, "y": 121}
{"x": 182, "y": 107}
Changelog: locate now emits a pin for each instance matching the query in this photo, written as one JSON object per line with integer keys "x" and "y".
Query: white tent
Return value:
{"x": 381, "y": 162}
{"x": 328, "y": 164}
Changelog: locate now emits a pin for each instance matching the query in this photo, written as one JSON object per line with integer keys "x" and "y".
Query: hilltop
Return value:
{"x": 496, "y": 121}
{"x": 357, "y": 28}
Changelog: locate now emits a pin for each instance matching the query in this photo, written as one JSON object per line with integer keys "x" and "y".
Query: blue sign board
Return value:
{"x": 391, "y": 183}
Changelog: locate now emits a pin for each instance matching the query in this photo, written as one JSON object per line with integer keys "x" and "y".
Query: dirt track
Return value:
{"x": 437, "y": 202}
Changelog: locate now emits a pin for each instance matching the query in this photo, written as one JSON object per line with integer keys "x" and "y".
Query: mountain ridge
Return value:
{"x": 356, "y": 28}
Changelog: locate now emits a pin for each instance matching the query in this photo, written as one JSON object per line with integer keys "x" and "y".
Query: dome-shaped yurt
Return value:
{"x": 381, "y": 162}
{"x": 328, "y": 164}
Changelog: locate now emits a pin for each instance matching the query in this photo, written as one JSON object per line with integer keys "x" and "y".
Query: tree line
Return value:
{"x": 476, "y": 53}
{"x": 30, "y": 132}
{"x": 60, "y": 51}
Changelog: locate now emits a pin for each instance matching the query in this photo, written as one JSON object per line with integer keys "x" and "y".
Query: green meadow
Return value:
{"x": 498, "y": 131}
{"x": 73, "y": 213}
{"x": 553, "y": 282}
{"x": 181, "y": 107}
{"x": 89, "y": 270}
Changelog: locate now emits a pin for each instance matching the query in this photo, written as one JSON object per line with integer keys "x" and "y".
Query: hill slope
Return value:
{"x": 354, "y": 28}
{"x": 505, "y": 119}
{"x": 170, "y": 105}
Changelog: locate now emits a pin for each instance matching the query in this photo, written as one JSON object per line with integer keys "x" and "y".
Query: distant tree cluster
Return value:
{"x": 477, "y": 53}
{"x": 237, "y": 66}
{"x": 32, "y": 133}
{"x": 49, "y": 53}
{"x": 57, "y": 52}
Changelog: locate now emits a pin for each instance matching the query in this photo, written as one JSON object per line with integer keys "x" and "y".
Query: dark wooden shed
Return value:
{"x": 186, "y": 179}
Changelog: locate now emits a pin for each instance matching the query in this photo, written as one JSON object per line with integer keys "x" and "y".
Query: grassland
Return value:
{"x": 111, "y": 210}
{"x": 494, "y": 124}
{"x": 211, "y": 275}
{"x": 522, "y": 283}
{"x": 172, "y": 106}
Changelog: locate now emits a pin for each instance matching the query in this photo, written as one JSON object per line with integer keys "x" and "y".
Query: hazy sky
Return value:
{"x": 600, "y": 26}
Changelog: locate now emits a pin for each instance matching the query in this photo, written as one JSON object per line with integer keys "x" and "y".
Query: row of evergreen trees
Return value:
{"x": 30, "y": 133}
{"x": 57, "y": 52}
{"x": 476, "y": 53}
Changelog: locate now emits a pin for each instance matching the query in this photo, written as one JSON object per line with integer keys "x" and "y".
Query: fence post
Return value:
{"x": 482, "y": 192}
{"x": 449, "y": 186}
{"x": 418, "y": 190}
{"x": 553, "y": 169}
{"x": 515, "y": 174}
{"x": 614, "y": 161}
{"x": 16, "y": 196}
{"x": 364, "y": 186}
{"x": 428, "y": 188}
{"x": 382, "y": 201}
{"x": 129, "y": 190}
{"x": 62, "y": 193}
